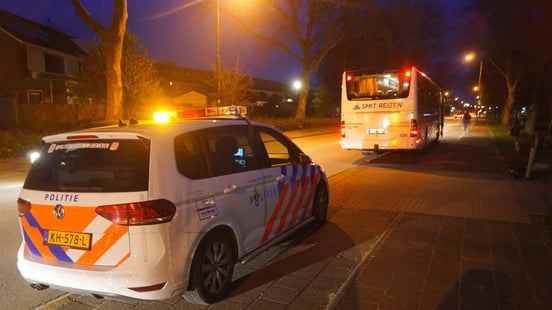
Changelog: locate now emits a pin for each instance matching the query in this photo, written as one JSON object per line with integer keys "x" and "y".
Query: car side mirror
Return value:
{"x": 304, "y": 159}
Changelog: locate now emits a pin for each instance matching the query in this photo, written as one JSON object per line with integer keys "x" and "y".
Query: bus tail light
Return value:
{"x": 139, "y": 213}
{"x": 342, "y": 129}
{"x": 414, "y": 132}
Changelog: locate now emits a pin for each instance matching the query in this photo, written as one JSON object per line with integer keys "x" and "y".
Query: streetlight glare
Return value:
{"x": 476, "y": 88}
{"x": 447, "y": 94}
{"x": 469, "y": 57}
{"x": 297, "y": 85}
{"x": 34, "y": 156}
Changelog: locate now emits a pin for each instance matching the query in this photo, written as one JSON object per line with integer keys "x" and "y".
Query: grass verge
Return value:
{"x": 17, "y": 142}
{"x": 503, "y": 140}
{"x": 291, "y": 123}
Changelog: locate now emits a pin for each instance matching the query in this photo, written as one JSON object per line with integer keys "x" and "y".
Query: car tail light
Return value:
{"x": 342, "y": 129}
{"x": 139, "y": 213}
{"x": 150, "y": 288}
{"x": 23, "y": 207}
{"x": 414, "y": 132}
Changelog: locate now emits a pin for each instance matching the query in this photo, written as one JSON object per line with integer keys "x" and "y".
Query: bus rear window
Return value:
{"x": 91, "y": 166}
{"x": 377, "y": 86}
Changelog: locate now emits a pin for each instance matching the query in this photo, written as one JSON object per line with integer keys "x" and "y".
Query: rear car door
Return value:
{"x": 237, "y": 187}
{"x": 63, "y": 189}
{"x": 288, "y": 183}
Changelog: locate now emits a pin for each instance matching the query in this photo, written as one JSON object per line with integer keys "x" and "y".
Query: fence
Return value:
{"x": 48, "y": 116}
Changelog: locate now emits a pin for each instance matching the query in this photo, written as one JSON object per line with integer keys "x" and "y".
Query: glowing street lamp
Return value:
{"x": 456, "y": 98}
{"x": 469, "y": 57}
{"x": 297, "y": 85}
{"x": 447, "y": 94}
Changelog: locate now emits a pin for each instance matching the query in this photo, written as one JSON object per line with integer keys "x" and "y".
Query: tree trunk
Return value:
{"x": 301, "y": 112}
{"x": 509, "y": 104}
{"x": 114, "y": 80}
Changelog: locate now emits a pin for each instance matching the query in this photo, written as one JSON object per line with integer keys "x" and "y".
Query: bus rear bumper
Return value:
{"x": 367, "y": 145}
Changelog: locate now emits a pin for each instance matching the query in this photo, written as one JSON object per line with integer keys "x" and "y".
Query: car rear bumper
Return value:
{"x": 107, "y": 281}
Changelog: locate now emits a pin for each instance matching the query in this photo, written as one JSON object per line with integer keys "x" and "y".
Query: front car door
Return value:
{"x": 288, "y": 184}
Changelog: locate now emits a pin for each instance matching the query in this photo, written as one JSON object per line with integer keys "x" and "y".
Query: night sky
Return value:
{"x": 187, "y": 36}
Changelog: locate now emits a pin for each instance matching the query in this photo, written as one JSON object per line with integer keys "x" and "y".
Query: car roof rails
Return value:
{"x": 222, "y": 118}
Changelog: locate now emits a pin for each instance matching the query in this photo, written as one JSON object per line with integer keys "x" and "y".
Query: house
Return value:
{"x": 183, "y": 85}
{"x": 38, "y": 64}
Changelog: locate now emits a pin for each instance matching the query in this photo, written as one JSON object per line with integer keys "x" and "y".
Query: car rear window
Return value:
{"x": 91, "y": 166}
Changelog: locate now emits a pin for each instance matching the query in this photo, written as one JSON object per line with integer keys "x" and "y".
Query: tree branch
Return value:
{"x": 270, "y": 40}
{"x": 120, "y": 17}
{"x": 87, "y": 18}
{"x": 500, "y": 70}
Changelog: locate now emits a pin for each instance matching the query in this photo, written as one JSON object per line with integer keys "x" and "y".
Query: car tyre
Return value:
{"x": 212, "y": 269}
{"x": 320, "y": 204}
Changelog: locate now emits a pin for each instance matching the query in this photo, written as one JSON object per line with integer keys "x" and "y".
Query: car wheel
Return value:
{"x": 212, "y": 269}
{"x": 320, "y": 204}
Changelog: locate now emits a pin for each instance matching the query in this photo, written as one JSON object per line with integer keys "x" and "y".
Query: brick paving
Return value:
{"x": 470, "y": 238}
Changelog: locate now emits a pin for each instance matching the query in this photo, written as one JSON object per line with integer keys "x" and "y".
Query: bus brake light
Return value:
{"x": 414, "y": 129}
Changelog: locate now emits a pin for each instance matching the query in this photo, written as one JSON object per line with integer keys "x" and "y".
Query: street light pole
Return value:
{"x": 218, "y": 56}
{"x": 479, "y": 82}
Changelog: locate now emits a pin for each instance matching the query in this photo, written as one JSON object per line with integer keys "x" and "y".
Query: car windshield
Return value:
{"x": 91, "y": 166}
{"x": 376, "y": 86}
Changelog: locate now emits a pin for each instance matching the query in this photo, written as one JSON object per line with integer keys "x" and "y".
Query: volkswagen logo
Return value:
{"x": 59, "y": 212}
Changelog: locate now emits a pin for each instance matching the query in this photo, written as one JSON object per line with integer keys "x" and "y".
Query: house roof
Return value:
{"x": 34, "y": 33}
{"x": 201, "y": 80}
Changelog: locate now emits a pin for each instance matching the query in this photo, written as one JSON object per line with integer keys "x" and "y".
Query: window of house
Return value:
{"x": 190, "y": 161}
{"x": 34, "y": 96}
{"x": 229, "y": 150}
{"x": 54, "y": 64}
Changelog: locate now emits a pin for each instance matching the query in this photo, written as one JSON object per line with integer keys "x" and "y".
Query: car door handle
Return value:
{"x": 230, "y": 189}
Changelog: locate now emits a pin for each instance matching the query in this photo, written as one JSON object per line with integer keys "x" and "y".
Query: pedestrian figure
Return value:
{"x": 466, "y": 120}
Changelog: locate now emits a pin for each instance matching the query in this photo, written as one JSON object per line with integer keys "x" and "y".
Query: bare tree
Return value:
{"x": 111, "y": 38}
{"x": 234, "y": 85}
{"x": 141, "y": 83}
{"x": 304, "y": 29}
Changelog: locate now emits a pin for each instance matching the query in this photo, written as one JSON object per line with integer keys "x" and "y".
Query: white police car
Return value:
{"x": 151, "y": 211}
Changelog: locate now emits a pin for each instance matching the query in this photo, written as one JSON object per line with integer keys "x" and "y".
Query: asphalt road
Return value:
{"x": 322, "y": 146}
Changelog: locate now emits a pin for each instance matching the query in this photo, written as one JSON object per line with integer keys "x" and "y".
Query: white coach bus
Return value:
{"x": 393, "y": 110}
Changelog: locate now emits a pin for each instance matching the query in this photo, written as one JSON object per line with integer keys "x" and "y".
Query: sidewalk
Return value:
{"x": 463, "y": 238}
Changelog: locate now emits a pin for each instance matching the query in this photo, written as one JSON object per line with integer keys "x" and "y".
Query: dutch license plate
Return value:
{"x": 81, "y": 241}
